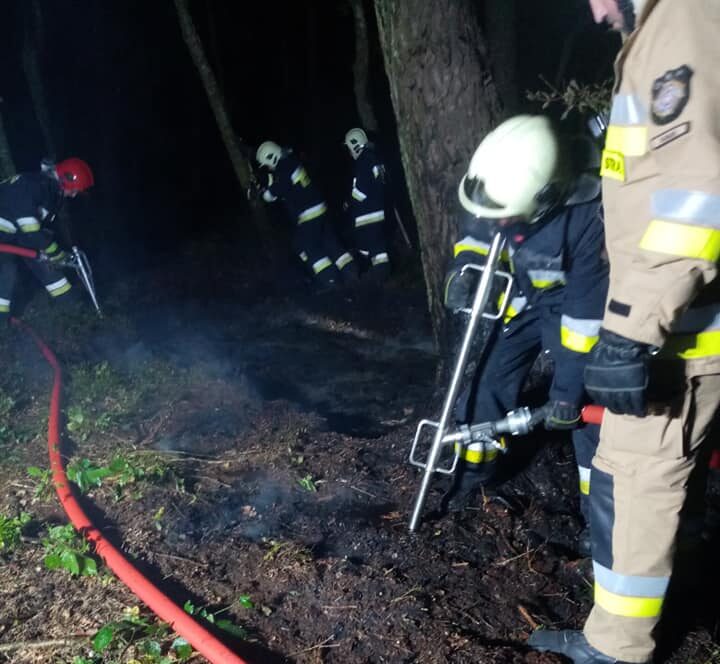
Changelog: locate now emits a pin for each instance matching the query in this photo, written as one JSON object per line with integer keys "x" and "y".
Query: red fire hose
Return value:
{"x": 18, "y": 251}
{"x": 195, "y": 634}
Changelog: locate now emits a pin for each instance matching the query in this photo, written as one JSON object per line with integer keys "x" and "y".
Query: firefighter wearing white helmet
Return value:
{"x": 656, "y": 366}
{"x": 314, "y": 240}
{"x": 555, "y": 250}
{"x": 366, "y": 205}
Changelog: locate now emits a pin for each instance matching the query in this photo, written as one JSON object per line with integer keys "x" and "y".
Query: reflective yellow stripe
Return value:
{"x": 628, "y": 141}
{"x": 613, "y": 165}
{"x": 4, "y": 308}
{"x": 693, "y": 346}
{"x": 312, "y": 213}
{"x": 56, "y": 291}
{"x": 51, "y": 248}
{"x": 684, "y": 240}
{"x": 322, "y": 264}
{"x": 576, "y": 341}
{"x": 628, "y": 607}
{"x": 477, "y": 453}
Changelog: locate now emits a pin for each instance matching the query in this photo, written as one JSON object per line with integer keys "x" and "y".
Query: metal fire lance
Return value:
{"x": 79, "y": 262}
{"x": 431, "y": 465}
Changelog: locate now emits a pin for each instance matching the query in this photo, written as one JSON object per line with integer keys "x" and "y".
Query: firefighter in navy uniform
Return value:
{"x": 553, "y": 226}
{"x": 28, "y": 203}
{"x": 314, "y": 239}
{"x": 367, "y": 204}
{"x": 656, "y": 367}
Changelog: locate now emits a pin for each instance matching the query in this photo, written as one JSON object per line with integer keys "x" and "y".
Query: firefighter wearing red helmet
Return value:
{"x": 28, "y": 204}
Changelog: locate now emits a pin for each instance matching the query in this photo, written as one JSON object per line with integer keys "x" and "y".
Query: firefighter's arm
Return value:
{"x": 671, "y": 248}
{"x": 581, "y": 310}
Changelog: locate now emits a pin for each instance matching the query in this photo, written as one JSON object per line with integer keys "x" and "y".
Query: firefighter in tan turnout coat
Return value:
{"x": 657, "y": 364}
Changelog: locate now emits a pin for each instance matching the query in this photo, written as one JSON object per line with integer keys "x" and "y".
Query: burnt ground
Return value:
{"x": 281, "y": 424}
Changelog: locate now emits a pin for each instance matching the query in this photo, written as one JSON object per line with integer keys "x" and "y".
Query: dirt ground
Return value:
{"x": 282, "y": 423}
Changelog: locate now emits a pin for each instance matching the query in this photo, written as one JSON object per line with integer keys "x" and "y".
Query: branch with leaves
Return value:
{"x": 586, "y": 99}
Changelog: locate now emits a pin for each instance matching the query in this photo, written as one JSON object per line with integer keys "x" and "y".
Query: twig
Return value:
{"x": 340, "y": 607}
{"x": 405, "y": 595}
{"x": 181, "y": 559}
{"x": 367, "y": 493}
{"x": 528, "y": 618}
{"x": 36, "y": 645}
{"x": 318, "y": 646}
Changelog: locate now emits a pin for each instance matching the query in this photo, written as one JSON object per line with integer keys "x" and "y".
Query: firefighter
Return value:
{"x": 28, "y": 204}
{"x": 313, "y": 239}
{"x": 519, "y": 184}
{"x": 656, "y": 366}
{"x": 366, "y": 204}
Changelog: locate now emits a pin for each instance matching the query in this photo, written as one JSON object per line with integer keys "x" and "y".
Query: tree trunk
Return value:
{"x": 361, "y": 67}
{"x": 33, "y": 48}
{"x": 500, "y": 23}
{"x": 241, "y": 166}
{"x": 7, "y": 165}
{"x": 445, "y": 102}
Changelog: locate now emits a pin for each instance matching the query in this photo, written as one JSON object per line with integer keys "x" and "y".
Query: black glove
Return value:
{"x": 460, "y": 288}
{"x": 616, "y": 375}
{"x": 561, "y": 416}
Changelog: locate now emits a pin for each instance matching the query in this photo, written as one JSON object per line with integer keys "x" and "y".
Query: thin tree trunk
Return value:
{"x": 241, "y": 166}
{"x": 361, "y": 67}
{"x": 500, "y": 22}
{"x": 7, "y": 165}
{"x": 445, "y": 101}
{"x": 33, "y": 47}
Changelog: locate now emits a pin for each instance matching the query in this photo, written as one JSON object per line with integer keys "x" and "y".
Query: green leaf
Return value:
{"x": 246, "y": 602}
{"x": 70, "y": 561}
{"x": 89, "y": 567}
{"x": 231, "y": 628}
{"x": 37, "y": 473}
{"x": 182, "y": 649}
{"x": 189, "y": 607}
{"x": 103, "y": 638}
{"x": 152, "y": 648}
{"x": 52, "y": 561}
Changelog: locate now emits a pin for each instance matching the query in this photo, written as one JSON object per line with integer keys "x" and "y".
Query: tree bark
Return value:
{"x": 7, "y": 165}
{"x": 361, "y": 67}
{"x": 240, "y": 163}
{"x": 445, "y": 102}
{"x": 33, "y": 48}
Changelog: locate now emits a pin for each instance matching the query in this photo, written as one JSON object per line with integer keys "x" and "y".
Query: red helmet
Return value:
{"x": 74, "y": 175}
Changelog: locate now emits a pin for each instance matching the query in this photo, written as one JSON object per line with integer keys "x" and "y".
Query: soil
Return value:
{"x": 287, "y": 432}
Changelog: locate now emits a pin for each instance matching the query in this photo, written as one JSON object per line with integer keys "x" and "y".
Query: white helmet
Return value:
{"x": 268, "y": 154}
{"x": 513, "y": 171}
{"x": 355, "y": 140}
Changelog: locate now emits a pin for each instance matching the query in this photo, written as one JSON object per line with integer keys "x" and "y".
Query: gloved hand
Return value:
{"x": 561, "y": 416}
{"x": 460, "y": 288}
{"x": 616, "y": 375}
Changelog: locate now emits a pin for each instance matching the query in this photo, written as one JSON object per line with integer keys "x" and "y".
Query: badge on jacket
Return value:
{"x": 670, "y": 94}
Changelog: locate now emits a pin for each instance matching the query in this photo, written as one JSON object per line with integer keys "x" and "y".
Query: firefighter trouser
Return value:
{"x": 496, "y": 389}
{"x": 321, "y": 253}
{"x": 647, "y": 478}
{"x": 369, "y": 232}
{"x": 54, "y": 281}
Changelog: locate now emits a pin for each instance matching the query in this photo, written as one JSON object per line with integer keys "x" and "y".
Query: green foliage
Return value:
{"x": 122, "y": 471}
{"x": 246, "y": 602}
{"x": 223, "y": 623}
{"x": 65, "y": 549}
{"x": 143, "y": 639}
{"x": 11, "y": 530}
{"x": 43, "y": 482}
{"x": 594, "y": 98}
{"x": 308, "y": 483}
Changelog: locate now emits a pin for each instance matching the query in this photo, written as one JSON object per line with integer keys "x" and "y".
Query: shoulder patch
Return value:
{"x": 670, "y": 94}
{"x": 659, "y": 141}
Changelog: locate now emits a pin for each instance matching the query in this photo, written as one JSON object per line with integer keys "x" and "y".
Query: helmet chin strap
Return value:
{"x": 630, "y": 10}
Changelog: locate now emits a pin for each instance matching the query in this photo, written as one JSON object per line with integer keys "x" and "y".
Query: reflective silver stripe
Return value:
{"x": 319, "y": 265}
{"x": 588, "y": 327}
{"x": 356, "y": 193}
{"x": 312, "y": 212}
{"x": 7, "y": 226}
{"x": 628, "y": 110}
{"x": 469, "y": 243}
{"x": 701, "y": 319}
{"x": 268, "y": 196}
{"x": 57, "y": 285}
{"x": 4, "y": 304}
{"x": 547, "y": 276}
{"x": 379, "y": 259}
{"x": 369, "y": 218}
{"x": 303, "y": 257}
{"x": 695, "y": 207}
{"x": 584, "y": 474}
{"x": 44, "y": 213}
{"x": 630, "y": 586}
{"x": 28, "y": 223}
{"x": 517, "y": 304}
{"x": 376, "y": 172}
{"x": 343, "y": 260}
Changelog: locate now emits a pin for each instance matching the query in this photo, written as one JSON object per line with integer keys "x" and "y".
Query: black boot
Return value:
{"x": 570, "y": 643}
